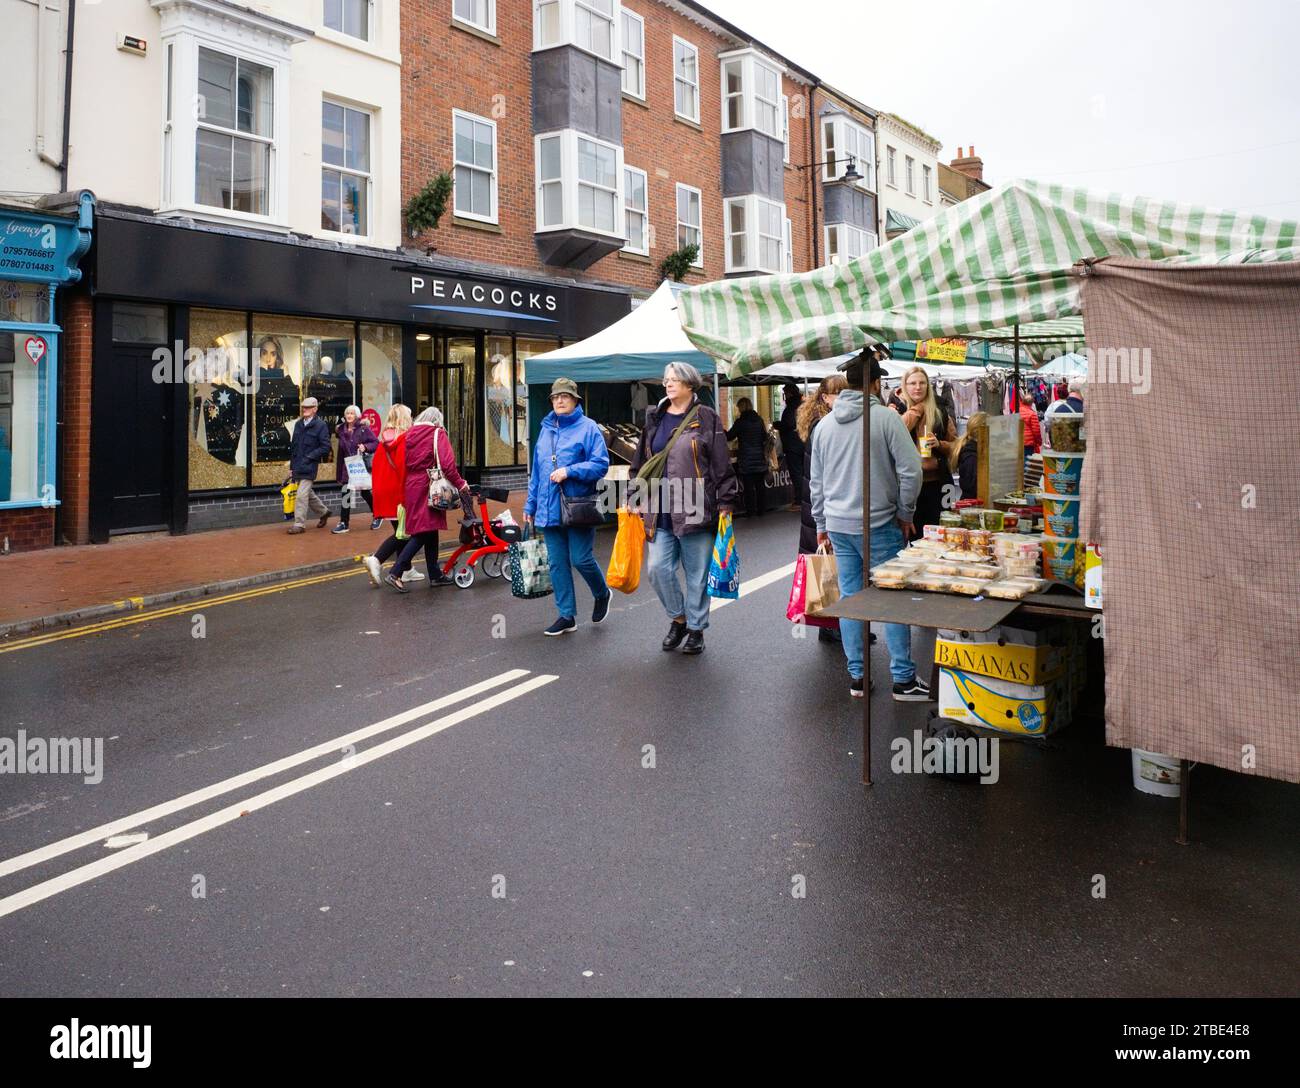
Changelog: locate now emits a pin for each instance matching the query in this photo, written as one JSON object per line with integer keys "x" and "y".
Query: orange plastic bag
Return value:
{"x": 624, "y": 572}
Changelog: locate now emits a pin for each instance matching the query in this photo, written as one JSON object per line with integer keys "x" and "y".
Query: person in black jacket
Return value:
{"x": 309, "y": 446}
{"x": 751, "y": 461}
{"x": 965, "y": 457}
{"x": 791, "y": 444}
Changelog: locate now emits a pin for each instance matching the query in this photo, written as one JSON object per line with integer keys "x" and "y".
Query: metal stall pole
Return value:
{"x": 1015, "y": 368}
{"x": 1184, "y": 780}
{"x": 866, "y": 547}
{"x": 717, "y": 398}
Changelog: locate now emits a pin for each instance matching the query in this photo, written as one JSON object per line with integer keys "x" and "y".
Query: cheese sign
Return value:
{"x": 35, "y": 347}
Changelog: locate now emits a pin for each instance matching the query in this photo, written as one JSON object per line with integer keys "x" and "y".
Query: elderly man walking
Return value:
{"x": 308, "y": 448}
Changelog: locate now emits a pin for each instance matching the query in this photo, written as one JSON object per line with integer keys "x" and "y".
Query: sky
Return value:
{"x": 1170, "y": 99}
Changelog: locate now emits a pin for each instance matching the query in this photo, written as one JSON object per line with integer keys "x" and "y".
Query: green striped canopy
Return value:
{"x": 1003, "y": 258}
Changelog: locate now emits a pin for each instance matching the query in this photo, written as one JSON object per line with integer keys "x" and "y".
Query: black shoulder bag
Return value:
{"x": 582, "y": 512}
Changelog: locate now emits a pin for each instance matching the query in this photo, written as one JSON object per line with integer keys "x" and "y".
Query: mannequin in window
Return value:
{"x": 277, "y": 402}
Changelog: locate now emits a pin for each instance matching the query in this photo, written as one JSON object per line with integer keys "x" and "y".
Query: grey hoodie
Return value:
{"x": 836, "y": 470}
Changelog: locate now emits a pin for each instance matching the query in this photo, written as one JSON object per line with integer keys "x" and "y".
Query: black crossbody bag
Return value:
{"x": 580, "y": 513}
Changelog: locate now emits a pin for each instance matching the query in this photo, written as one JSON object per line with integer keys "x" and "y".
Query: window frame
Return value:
{"x": 491, "y": 25}
{"x": 643, "y": 212}
{"x": 789, "y": 244}
{"x": 699, "y": 228}
{"x": 754, "y": 207}
{"x": 785, "y": 127}
{"x": 927, "y": 183}
{"x": 567, "y": 27}
{"x": 891, "y": 154}
{"x": 837, "y": 147}
{"x": 909, "y": 166}
{"x": 840, "y": 246}
{"x": 369, "y": 35}
{"x": 695, "y": 86}
{"x": 457, "y": 213}
{"x": 368, "y": 175}
{"x": 640, "y": 20}
{"x": 752, "y": 103}
{"x": 571, "y": 183}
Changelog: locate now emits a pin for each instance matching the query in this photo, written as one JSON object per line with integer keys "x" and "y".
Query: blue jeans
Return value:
{"x": 693, "y": 552}
{"x": 886, "y": 543}
{"x": 567, "y": 550}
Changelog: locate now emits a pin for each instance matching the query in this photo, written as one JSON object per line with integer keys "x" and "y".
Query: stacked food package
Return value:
{"x": 1064, "y": 553}
{"x": 974, "y": 562}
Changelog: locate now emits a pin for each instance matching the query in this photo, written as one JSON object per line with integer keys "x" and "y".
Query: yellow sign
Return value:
{"x": 942, "y": 351}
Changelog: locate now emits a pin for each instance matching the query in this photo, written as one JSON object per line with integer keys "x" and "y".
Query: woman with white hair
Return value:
{"x": 683, "y": 459}
{"x": 354, "y": 435}
{"x": 427, "y": 447}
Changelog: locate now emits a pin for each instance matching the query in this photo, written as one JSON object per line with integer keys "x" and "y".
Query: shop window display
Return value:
{"x": 381, "y": 368}
{"x": 297, "y": 358}
{"x": 525, "y": 350}
{"x": 499, "y": 401}
{"x": 21, "y": 412}
{"x": 218, "y": 416}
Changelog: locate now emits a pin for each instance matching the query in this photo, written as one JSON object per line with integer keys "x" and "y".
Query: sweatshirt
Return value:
{"x": 835, "y": 477}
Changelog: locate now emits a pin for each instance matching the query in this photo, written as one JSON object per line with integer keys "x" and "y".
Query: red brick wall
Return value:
{"x": 27, "y": 530}
{"x": 74, "y": 436}
{"x": 445, "y": 68}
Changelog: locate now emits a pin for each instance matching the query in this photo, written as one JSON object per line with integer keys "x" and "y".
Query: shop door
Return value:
{"x": 139, "y": 454}
{"x": 446, "y": 369}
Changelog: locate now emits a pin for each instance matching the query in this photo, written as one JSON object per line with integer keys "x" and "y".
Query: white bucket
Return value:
{"x": 1154, "y": 773}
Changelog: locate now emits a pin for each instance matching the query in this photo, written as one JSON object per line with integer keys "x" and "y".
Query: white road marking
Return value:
{"x": 44, "y": 890}
{"x": 329, "y": 747}
{"x": 755, "y": 584}
{"x": 119, "y": 841}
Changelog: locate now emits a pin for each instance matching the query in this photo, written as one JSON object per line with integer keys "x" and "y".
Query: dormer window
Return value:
{"x": 751, "y": 94}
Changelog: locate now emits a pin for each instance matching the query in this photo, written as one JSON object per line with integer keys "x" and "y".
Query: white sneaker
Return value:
{"x": 373, "y": 569}
{"x": 413, "y": 575}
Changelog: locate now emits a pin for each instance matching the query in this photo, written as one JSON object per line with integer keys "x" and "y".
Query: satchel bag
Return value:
{"x": 581, "y": 512}
{"x": 442, "y": 496}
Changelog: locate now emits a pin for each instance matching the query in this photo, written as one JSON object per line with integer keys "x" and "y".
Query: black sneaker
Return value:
{"x": 855, "y": 686}
{"x": 915, "y": 690}
{"x": 676, "y": 633}
{"x": 562, "y": 626}
{"x": 601, "y": 608}
{"x": 694, "y": 643}
{"x": 437, "y": 577}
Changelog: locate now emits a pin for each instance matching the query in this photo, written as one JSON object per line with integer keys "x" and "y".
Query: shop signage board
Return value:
{"x": 40, "y": 248}
{"x": 948, "y": 350}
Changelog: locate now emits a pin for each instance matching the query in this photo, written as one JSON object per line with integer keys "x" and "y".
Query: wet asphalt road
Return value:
{"x": 526, "y": 850}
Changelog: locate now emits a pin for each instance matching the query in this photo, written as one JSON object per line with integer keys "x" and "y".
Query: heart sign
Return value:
{"x": 35, "y": 348}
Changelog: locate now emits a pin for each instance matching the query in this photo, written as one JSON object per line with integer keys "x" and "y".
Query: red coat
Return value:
{"x": 388, "y": 473}
{"x": 419, "y": 459}
{"x": 1033, "y": 432}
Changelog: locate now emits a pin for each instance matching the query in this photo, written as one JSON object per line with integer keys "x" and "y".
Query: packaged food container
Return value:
{"x": 1009, "y": 589}
{"x": 950, "y": 517}
{"x": 1010, "y": 522}
{"x": 992, "y": 520}
{"x": 932, "y": 532}
{"x": 972, "y": 518}
{"x": 955, "y": 537}
{"x": 1027, "y": 525}
{"x": 943, "y": 566}
{"x": 1062, "y": 472}
{"x": 926, "y": 444}
{"x": 967, "y": 587}
{"x": 985, "y": 572}
{"x": 929, "y": 583}
{"x": 1020, "y": 568}
{"x": 1063, "y": 562}
{"x": 889, "y": 579}
{"x": 1061, "y": 514}
{"x": 1066, "y": 434}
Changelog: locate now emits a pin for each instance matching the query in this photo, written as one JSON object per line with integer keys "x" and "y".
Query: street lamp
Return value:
{"x": 851, "y": 174}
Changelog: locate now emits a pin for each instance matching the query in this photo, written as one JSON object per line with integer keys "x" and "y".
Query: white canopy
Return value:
{"x": 634, "y": 348}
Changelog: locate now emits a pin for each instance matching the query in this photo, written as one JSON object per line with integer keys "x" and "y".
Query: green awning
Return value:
{"x": 896, "y": 221}
{"x": 975, "y": 270}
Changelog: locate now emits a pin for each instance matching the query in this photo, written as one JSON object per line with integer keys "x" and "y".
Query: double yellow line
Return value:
{"x": 198, "y": 604}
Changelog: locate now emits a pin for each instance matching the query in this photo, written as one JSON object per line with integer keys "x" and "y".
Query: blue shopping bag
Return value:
{"x": 724, "y": 570}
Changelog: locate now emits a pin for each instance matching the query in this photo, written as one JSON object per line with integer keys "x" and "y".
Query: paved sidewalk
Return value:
{"x": 66, "y": 585}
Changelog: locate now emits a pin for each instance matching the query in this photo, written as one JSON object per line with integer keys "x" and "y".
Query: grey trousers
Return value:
{"x": 307, "y": 500}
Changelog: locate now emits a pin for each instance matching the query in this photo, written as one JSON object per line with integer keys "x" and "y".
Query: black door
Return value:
{"x": 139, "y": 471}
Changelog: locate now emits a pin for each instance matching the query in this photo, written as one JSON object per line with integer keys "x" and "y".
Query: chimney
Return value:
{"x": 969, "y": 164}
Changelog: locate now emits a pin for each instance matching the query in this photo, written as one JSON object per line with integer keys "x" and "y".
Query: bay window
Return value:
{"x": 636, "y": 210}
{"x": 843, "y": 139}
{"x": 756, "y": 234}
{"x": 476, "y": 167}
{"x": 591, "y": 25}
{"x": 845, "y": 242}
{"x": 579, "y": 184}
{"x": 686, "y": 80}
{"x": 224, "y": 112}
{"x": 751, "y": 95}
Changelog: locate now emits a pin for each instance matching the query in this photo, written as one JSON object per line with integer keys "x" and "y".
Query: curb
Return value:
{"x": 173, "y": 596}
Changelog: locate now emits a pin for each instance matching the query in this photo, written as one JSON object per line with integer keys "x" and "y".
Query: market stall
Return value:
{"x": 1023, "y": 254}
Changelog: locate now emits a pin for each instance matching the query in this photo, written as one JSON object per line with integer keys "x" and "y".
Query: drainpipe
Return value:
{"x": 67, "y": 96}
{"x": 814, "y": 178}
{"x": 60, "y": 164}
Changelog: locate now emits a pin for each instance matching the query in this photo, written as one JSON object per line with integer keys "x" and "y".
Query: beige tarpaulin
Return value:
{"x": 1192, "y": 488}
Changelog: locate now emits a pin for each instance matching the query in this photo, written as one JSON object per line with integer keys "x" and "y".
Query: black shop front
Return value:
{"x": 206, "y": 341}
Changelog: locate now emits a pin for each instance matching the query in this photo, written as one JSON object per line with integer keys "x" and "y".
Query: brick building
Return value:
{"x": 251, "y": 164}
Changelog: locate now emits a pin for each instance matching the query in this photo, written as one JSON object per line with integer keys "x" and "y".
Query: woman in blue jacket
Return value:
{"x": 570, "y": 457}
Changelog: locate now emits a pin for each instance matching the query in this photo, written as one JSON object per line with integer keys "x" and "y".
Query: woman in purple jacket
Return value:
{"x": 354, "y": 435}
{"x": 427, "y": 446}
